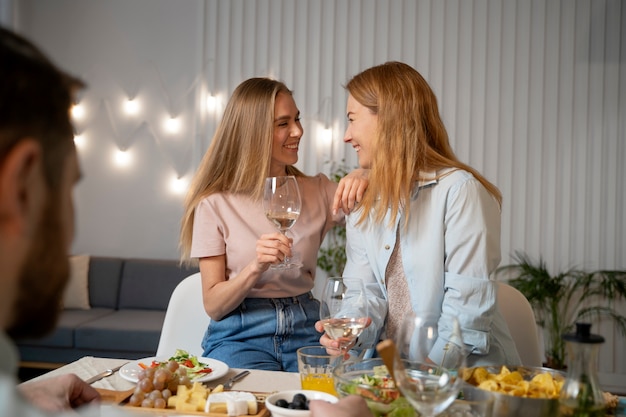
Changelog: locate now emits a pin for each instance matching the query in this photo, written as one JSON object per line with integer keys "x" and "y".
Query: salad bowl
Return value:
{"x": 370, "y": 379}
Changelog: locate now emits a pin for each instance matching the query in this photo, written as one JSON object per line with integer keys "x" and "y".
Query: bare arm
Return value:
{"x": 350, "y": 190}
{"x": 221, "y": 296}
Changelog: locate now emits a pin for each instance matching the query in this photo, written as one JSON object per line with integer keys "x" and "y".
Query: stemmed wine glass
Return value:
{"x": 282, "y": 204}
{"x": 430, "y": 361}
{"x": 343, "y": 309}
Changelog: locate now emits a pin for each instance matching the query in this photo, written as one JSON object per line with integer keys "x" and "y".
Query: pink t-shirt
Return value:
{"x": 231, "y": 224}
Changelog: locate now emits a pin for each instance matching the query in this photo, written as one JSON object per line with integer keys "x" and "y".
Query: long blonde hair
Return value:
{"x": 239, "y": 157}
{"x": 410, "y": 140}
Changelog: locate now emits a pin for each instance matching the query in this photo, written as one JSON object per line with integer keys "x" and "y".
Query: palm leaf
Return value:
{"x": 561, "y": 300}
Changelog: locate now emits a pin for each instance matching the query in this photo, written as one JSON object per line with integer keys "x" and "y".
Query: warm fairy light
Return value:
{"x": 327, "y": 135}
{"x": 131, "y": 107}
{"x": 178, "y": 185}
{"x": 78, "y": 111}
{"x": 122, "y": 158}
{"x": 211, "y": 103}
{"x": 79, "y": 141}
{"x": 172, "y": 125}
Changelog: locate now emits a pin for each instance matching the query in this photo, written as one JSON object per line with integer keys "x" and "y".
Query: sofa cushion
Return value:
{"x": 76, "y": 294}
{"x": 148, "y": 284}
{"x": 104, "y": 281}
{"x": 63, "y": 334}
{"x": 123, "y": 330}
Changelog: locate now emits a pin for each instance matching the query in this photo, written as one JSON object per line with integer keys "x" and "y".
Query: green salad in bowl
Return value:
{"x": 370, "y": 379}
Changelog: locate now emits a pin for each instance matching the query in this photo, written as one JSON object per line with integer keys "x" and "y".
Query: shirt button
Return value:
{"x": 387, "y": 247}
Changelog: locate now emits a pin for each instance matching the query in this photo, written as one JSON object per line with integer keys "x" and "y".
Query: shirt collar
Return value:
{"x": 429, "y": 177}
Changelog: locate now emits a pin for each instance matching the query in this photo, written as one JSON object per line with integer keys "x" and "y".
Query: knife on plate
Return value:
{"x": 103, "y": 374}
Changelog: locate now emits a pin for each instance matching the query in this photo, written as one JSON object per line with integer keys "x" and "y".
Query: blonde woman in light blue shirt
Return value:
{"x": 427, "y": 232}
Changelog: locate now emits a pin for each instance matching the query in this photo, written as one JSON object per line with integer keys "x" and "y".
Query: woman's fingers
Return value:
{"x": 272, "y": 248}
{"x": 350, "y": 191}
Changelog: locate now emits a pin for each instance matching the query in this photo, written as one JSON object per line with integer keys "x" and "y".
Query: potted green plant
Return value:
{"x": 561, "y": 300}
{"x": 331, "y": 257}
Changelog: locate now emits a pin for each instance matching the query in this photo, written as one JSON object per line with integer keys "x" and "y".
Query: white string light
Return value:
{"x": 78, "y": 111}
{"x": 172, "y": 125}
{"x": 178, "y": 185}
{"x": 211, "y": 103}
{"x": 131, "y": 107}
{"x": 122, "y": 158}
{"x": 79, "y": 141}
{"x": 327, "y": 136}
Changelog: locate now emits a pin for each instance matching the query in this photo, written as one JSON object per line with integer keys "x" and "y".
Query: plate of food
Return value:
{"x": 198, "y": 369}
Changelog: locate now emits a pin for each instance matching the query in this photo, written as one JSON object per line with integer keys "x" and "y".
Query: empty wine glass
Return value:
{"x": 430, "y": 361}
{"x": 343, "y": 309}
{"x": 282, "y": 204}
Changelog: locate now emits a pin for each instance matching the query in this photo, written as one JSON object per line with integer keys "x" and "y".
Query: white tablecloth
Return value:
{"x": 257, "y": 381}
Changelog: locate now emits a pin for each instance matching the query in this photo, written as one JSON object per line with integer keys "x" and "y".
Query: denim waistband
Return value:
{"x": 256, "y": 303}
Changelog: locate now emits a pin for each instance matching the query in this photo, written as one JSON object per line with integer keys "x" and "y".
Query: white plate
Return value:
{"x": 130, "y": 371}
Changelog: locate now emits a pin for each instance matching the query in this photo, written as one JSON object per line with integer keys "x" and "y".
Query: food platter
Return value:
{"x": 130, "y": 371}
{"x": 121, "y": 397}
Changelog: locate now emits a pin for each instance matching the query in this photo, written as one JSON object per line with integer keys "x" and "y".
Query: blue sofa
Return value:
{"x": 128, "y": 299}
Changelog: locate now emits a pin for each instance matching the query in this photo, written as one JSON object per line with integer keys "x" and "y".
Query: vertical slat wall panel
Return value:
{"x": 527, "y": 88}
{"x": 564, "y": 133}
{"x": 532, "y": 93}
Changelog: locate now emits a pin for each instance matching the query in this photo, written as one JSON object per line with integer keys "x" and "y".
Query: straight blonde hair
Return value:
{"x": 411, "y": 137}
{"x": 238, "y": 159}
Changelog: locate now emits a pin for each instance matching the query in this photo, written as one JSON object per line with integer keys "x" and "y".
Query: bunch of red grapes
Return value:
{"x": 157, "y": 384}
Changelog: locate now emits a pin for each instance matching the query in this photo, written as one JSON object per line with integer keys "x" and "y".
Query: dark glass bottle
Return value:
{"x": 581, "y": 395}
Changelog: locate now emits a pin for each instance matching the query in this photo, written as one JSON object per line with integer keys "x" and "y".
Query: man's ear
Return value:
{"x": 22, "y": 187}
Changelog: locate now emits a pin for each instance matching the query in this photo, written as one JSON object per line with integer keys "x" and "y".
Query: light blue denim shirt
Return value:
{"x": 449, "y": 250}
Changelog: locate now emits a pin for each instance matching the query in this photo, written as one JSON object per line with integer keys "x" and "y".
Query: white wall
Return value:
{"x": 533, "y": 93}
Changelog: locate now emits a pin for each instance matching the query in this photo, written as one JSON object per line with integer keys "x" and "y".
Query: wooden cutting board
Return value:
{"x": 121, "y": 398}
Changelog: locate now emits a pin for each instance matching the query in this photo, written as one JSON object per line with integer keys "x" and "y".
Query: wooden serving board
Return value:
{"x": 121, "y": 398}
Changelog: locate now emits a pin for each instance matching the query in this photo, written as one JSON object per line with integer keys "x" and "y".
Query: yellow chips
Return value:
{"x": 541, "y": 385}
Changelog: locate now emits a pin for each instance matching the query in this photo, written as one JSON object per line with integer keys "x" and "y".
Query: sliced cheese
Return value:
{"x": 233, "y": 403}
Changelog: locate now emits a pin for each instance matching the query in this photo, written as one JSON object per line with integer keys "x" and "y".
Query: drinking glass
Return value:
{"x": 282, "y": 204}
{"x": 430, "y": 361}
{"x": 316, "y": 369}
{"x": 343, "y": 309}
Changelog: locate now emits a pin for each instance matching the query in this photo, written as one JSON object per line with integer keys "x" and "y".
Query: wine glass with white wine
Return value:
{"x": 282, "y": 204}
{"x": 430, "y": 360}
{"x": 343, "y": 310}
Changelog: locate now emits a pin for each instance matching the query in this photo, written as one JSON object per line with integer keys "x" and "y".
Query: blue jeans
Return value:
{"x": 264, "y": 333}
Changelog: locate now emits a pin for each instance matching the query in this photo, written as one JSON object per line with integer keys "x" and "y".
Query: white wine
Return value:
{"x": 344, "y": 328}
{"x": 282, "y": 220}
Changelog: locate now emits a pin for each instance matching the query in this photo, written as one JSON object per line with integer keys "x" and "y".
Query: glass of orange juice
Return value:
{"x": 316, "y": 369}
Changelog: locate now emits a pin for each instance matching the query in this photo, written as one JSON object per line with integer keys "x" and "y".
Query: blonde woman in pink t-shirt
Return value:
{"x": 260, "y": 316}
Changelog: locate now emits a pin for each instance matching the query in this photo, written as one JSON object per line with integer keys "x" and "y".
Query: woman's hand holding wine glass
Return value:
{"x": 343, "y": 310}
{"x": 282, "y": 204}
{"x": 430, "y": 361}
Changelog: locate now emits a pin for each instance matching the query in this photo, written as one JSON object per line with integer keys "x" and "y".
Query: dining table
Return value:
{"x": 257, "y": 381}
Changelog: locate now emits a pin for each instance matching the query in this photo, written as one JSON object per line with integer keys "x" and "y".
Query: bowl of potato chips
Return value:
{"x": 518, "y": 390}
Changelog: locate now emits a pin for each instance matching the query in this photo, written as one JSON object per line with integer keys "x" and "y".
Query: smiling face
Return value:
{"x": 287, "y": 134}
{"x": 361, "y": 131}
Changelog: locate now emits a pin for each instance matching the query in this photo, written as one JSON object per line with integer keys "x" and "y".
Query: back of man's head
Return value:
{"x": 35, "y": 100}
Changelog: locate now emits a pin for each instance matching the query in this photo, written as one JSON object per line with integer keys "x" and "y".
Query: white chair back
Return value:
{"x": 520, "y": 318}
{"x": 186, "y": 320}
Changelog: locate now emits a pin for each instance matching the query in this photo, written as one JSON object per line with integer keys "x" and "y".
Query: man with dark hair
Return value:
{"x": 38, "y": 170}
